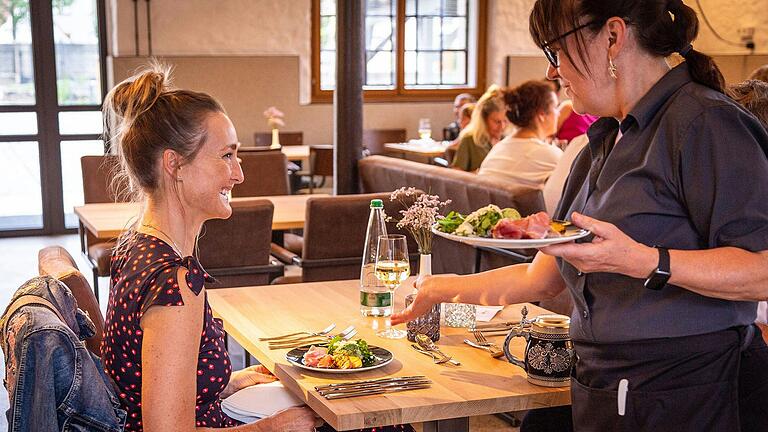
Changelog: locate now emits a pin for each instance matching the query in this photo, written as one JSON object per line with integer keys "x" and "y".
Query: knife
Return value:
{"x": 485, "y": 326}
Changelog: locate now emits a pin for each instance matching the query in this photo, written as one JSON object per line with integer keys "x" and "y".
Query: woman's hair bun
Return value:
{"x": 527, "y": 100}
{"x": 136, "y": 95}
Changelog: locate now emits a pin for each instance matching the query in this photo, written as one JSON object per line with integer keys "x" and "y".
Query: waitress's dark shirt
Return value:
{"x": 689, "y": 172}
{"x": 144, "y": 276}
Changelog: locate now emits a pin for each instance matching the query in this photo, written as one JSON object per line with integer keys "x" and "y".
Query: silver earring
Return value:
{"x": 612, "y": 68}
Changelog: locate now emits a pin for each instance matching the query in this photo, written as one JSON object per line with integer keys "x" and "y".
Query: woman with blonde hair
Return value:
{"x": 484, "y": 130}
{"x": 162, "y": 346}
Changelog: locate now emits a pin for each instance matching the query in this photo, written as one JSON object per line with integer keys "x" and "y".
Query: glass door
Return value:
{"x": 52, "y": 83}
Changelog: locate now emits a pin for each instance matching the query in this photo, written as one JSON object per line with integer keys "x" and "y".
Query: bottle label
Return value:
{"x": 375, "y": 299}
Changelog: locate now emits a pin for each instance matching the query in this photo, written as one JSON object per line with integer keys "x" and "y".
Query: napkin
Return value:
{"x": 258, "y": 401}
{"x": 486, "y": 313}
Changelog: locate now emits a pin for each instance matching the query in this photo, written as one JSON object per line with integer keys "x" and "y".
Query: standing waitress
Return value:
{"x": 675, "y": 185}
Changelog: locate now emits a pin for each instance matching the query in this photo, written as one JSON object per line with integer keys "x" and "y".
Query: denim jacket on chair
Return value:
{"x": 54, "y": 383}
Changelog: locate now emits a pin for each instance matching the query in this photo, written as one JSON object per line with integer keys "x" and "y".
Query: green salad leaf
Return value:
{"x": 358, "y": 348}
{"x": 449, "y": 223}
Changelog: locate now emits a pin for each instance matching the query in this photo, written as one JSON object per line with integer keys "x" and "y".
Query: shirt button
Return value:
{"x": 585, "y": 314}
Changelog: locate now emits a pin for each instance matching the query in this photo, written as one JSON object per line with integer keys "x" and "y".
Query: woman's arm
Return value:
{"x": 169, "y": 354}
{"x": 538, "y": 280}
{"x": 726, "y": 272}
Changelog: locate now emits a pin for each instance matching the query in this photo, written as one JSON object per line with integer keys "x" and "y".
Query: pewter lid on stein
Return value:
{"x": 552, "y": 321}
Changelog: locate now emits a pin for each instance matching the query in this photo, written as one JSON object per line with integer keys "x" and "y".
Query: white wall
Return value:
{"x": 258, "y": 28}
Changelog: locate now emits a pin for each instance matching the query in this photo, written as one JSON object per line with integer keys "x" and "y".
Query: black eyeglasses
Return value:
{"x": 551, "y": 54}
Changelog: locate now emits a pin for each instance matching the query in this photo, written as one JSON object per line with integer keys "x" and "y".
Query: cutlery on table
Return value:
{"x": 375, "y": 391}
{"x": 322, "y": 332}
{"x": 373, "y": 386}
{"x": 494, "y": 353}
{"x": 506, "y": 325}
{"x": 351, "y": 387}
{"x": 426, "y": 344}
{"x": 373, "y": 381}
{"x": 347, "y": 334}
{"x": 494, "y": 349}
{"x": 436, "y": 358}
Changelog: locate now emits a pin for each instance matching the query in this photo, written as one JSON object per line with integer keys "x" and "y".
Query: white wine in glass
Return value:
{"x": 392, "y": 268}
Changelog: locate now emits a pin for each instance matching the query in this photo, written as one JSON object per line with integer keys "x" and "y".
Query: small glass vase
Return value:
{"x": 459, "y": 315}
{"x": 429, "y": 323}
{"x": 275, "y": 139}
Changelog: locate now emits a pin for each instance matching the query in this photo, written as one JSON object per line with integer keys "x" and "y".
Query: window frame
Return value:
{"x": 400, "y": 93}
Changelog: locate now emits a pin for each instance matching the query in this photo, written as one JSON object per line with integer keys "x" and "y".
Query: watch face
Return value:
{"x": 657, "y": 280}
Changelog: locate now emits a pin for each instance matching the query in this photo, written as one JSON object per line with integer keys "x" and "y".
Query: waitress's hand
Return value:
{"x": 247, "y": 377}
{"x": 421, "y": 303}
{"x": 611, "y": 250}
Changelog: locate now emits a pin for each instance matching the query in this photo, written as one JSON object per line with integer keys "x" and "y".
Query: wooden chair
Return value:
{"x": 264, "y": 139}
{"x": 320, "y": 164}
{"x": 265, "y": 173}
{"x": 98, "y": 172}
{"x": 324, "y": 257}
{"x": 56, "y": 262}
{"x": 374, "y": 139}
{"x": 236, "y": 251}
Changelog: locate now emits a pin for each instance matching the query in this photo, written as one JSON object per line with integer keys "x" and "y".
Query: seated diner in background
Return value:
{"x": 162, "y": 346}
{"x": 451, "y": 132}
{"x": 526, "y": 157}
{"x": 465, "y": 117}
{"x": 674, "y": 191}
{"x": 484, "y": 130}
{"x": 570, "y": 124}
{"x": 760, "y": 74}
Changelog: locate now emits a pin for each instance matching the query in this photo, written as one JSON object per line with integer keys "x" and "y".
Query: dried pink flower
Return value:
{"x": 420, "y": 216}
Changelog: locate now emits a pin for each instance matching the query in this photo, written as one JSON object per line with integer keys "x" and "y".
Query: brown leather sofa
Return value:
{"x": 467, "y": 193}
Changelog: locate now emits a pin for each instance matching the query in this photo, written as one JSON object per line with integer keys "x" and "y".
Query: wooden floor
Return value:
{"x": 18, "y": 263}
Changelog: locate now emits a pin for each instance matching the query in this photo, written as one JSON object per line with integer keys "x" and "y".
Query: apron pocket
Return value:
{"x": 705, "y": 407}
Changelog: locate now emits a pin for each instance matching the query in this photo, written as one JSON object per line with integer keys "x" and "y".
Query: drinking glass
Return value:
{"x": 392, "y": 268}
{"x": 425, "y": 129}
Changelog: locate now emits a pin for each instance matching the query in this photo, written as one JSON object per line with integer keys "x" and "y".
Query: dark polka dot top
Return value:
{"x": 142, "y": 276}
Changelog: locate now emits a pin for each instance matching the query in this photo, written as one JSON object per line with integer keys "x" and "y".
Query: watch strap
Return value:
{"x": 659, "y": 277}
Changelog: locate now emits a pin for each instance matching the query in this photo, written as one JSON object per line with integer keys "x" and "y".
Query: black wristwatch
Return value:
{"x": 659, "y": 277}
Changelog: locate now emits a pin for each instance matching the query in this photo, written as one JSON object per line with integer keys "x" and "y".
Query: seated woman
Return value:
{"x": 484, "y": 130}
{"x": 525, "y": 157}
{"x": 162, "y": 346}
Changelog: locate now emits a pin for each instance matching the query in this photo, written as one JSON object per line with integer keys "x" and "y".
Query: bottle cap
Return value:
{"x": 377, "y": 203}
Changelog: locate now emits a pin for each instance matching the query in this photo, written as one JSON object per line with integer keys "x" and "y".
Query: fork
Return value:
{"x": 322, "y": 332}
{"x": 346, "y": 335}
{"x": 492, "y": 347}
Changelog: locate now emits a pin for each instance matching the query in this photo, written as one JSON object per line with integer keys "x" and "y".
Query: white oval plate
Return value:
{"x": 571, "y": 233}
{"x": 383, "y": 358}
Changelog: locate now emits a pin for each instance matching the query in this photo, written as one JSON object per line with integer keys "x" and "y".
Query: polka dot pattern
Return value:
{"x": 144, "y": 276}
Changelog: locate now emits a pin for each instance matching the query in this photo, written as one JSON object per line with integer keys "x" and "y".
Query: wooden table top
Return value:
{"x": 435, "y": 150}
{"x": 296, "y": 153}
{"x": 482, "y": 385}
{"x": 108, "y": 220}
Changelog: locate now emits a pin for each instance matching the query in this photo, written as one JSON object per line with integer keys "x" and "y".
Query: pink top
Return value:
{"x": 575, "y": 125}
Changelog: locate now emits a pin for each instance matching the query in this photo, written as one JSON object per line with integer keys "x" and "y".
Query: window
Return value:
{"x": 414, "y": 49}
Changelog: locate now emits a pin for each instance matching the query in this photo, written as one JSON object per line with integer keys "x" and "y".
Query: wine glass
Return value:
{"x": 392, "y": 268}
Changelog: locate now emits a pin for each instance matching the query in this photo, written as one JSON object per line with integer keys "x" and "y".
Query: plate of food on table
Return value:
{"x": 340, "y": 356}
{"x": 491, "y": 226}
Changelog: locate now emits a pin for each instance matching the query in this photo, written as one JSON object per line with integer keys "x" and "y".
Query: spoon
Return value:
{"x": 426, "y": 343}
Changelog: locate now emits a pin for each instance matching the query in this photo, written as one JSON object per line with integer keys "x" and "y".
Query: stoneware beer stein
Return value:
{"x": 549, "y": 354}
